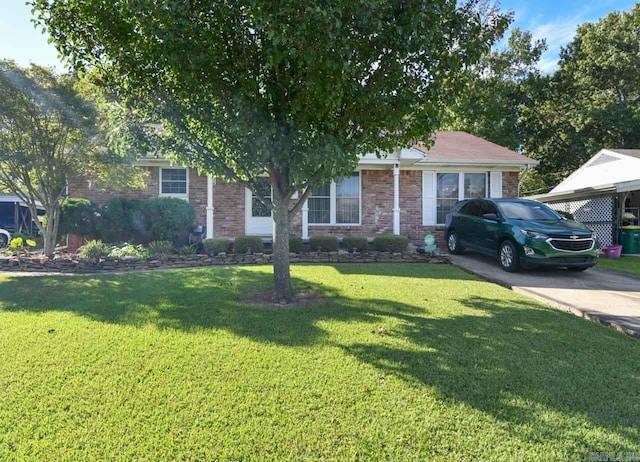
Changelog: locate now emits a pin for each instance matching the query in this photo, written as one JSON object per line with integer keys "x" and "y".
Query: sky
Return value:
{"x": 555, "y": 20}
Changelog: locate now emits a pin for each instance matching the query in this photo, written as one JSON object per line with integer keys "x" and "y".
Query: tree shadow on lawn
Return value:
{"x": 512, "y": 359}
{"x": 516, "y": 361}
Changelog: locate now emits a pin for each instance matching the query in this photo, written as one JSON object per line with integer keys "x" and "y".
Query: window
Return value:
{"x": 453, "y": 187}
{"x": 173, "y": 182}
{"x": 258, "y": 209}
{"x": 336, "y": 203}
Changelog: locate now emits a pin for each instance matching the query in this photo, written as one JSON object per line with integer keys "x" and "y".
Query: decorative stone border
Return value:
{"x": 74, "y": 265}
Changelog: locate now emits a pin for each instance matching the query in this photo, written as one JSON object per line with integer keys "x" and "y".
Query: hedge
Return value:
{"x": 323, "y": 243}
{"x": 359, "y": 243}
{"x": 391, "y": 243}
{"x": 249, "y": 244}
{"x": 216, "y": 246}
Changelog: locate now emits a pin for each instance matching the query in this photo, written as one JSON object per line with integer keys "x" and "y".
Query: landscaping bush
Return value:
{"x": 216, "y": 246}
{"x": 117, "y": 220}
{"x": 128, "y": 250}
{"x": 188, "y": 249}
{"x": 249, "y": 244}
{"x": 160, "y": 248}
{"x": 391, "y": 243}
{"x": 93, "y": 250}
{"x": 78, "y": 216}
{"x": 295, "y": 244}
{"x": 169, "y": 218}
{"x": 358, "y": 243}
{"x": 145, "y": 220}
{"x": 324, "y": 243}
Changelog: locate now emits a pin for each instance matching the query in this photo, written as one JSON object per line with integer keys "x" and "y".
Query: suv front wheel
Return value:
{"x": 508, "y": 257}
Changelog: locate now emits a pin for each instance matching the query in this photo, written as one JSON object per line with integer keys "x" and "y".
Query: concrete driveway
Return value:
{"x": 602, "y": 296}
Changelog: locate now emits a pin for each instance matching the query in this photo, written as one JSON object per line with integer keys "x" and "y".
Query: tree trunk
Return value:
{"x": 283, "y": 291}
{"x": 51, "y": 231}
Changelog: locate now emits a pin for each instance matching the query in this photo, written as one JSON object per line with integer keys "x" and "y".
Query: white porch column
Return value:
{"x": 209, "y": 207}
{"x": 305, "y": 220}
{"x": 396, "y": 199}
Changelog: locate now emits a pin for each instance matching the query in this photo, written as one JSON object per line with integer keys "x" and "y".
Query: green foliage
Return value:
{"x": 359, "y": 243}
{"x": 78, "y": 216}
{"x": 128, "y": 250}
{"x": 20, "y": 246}
{"x": 145, "y": 220}
{"x": 490, "y": 105}
{"x": 187, "y": 250}
{"x": 390, "y": 243}
{"x": 216, "y": 245}
{"x": 248, "y": 244}
{"x": 295, "y": 244}
{"x": 323, "y": 243}
{"x": 161, "y": 248}
{"x": 94, "y": 250}
{"x": 168, "y": 218}
{"x": 48, "y": 134}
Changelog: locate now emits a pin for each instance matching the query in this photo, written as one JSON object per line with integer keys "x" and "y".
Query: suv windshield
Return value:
{"x": 528, "y": 211}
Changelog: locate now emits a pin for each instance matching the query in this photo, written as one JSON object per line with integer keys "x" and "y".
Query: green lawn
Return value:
{"x": 629, "y": 265}
{"x": 400, "y": 362}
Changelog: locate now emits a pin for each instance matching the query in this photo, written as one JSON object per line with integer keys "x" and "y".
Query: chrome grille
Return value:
{"x": 571, "y": 245}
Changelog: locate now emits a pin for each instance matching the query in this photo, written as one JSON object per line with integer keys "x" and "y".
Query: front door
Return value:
{"x": 258, "y": 220}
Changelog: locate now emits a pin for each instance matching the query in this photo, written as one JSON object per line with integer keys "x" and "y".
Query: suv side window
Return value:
{"x": 488, "y": 207}
{"x": 471, "y": 208}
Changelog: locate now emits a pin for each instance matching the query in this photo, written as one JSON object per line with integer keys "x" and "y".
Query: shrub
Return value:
{"x": 128, "y": 250}
{"x": 169, "y": 218}
{"x": 145, "y": 220}
{"x": 159, "y": 248}
{"x": 216, "y": 246}
{"x": 93, "y": 250}
{"x": 116, "y": 222}
{"x": 187, "y": 250}
{"x": 295, "y": 244}
{"x": 358, "y": 243}
{"x": 391, "y": 243}
{"x": 324, "y": 243}
{"x": 78, "y": 216}
{"x": 249, "y": 244}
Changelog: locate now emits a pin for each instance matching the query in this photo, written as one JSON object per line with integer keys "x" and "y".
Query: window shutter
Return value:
{"x": 429, "y": 198}
{"x": 496, "y": 184}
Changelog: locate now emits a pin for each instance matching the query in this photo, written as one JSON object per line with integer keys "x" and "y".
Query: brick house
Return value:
{"x": 408, "y": 192}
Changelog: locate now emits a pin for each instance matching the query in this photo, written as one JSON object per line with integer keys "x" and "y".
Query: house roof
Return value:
{"x": 462, "y": 146}
{"x": 610, "y": 170}
{"x": 453, "y": 148}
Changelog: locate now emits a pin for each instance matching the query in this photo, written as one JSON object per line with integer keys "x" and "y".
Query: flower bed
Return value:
{"x": 72, "y": 264}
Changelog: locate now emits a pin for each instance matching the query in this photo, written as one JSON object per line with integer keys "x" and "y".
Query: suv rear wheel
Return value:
{"x": 453, "y": 243}
{"x": 508, "y": 257}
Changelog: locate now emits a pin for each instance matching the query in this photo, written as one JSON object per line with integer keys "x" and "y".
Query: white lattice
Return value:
{"x": 597, "y": 213}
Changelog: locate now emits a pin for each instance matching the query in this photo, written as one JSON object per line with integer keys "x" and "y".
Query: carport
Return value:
{"x": 604, "y": 193}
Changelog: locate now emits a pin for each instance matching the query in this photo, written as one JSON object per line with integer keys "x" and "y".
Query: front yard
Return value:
{"x": 398, "y": 361}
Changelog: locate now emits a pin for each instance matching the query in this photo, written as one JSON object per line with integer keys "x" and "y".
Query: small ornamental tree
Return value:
{"x": 294, "y": 90}
{"x": 49, "y": 132}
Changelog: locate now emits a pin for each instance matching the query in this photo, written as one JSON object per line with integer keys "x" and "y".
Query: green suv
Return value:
{"x": 520, "y": 233}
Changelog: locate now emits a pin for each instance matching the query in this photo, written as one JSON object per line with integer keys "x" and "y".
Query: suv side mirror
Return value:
{"x": 491, "y": 216}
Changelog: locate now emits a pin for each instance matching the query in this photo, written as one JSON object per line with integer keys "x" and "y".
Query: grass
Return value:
{"x": 629, "y": 265}
{"x": 400, "y": 362}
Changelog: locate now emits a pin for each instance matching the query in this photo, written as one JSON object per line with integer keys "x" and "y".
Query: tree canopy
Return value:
{"x": 294, "y": 90}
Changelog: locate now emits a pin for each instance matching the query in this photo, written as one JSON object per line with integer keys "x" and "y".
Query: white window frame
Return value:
{"x": 430, "y": 192}
{"x": 178, "y": 196}
{"x": 333, "y": 202}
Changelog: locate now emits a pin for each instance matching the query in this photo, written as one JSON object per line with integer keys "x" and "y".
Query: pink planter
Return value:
{"x": 612, "y": 251}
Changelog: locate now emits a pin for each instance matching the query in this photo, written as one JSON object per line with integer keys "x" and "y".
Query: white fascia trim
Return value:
{"x": 501, "y": 163}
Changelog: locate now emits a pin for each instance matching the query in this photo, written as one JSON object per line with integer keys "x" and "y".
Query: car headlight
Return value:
{"x": 534, "y": 234}
{"x": 594, "y": 235}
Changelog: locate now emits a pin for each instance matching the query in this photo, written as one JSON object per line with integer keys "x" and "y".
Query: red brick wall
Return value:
{"x": 228, "y": 204}
{"x": 509, "y": 184}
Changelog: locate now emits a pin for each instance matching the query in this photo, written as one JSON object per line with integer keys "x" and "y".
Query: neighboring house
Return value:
{"x": 600, "y": 192}
{"x": 408, "y": 192}
{"x": 15, "y": 216}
